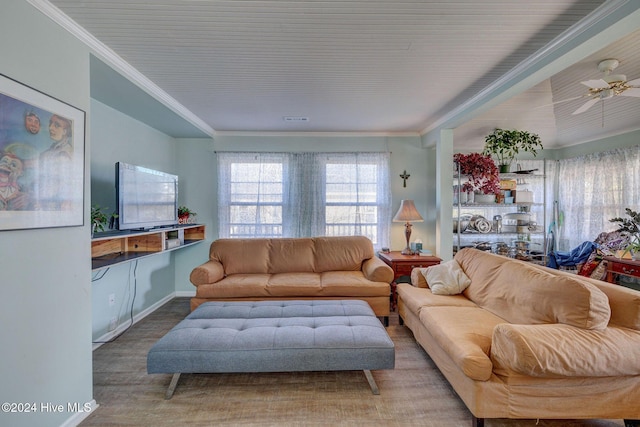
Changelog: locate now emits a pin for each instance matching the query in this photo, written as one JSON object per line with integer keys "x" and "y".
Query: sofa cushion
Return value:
{"x": 291, "y": 255}
{"x": 241, "y": 255}
{"x": 464, "y": 333}
{"x": 341, "y": 253}
{"x": 351, "y": 284}
{"x": 294, "y": 284}
{"x": 236, "y": 286}
{"x": 446, "y": 278}
{"x": 523, "y": 294}
{"x": 416, "y": 298}
{"x": 564, "y": 351}
{"x": 624, "y": 302}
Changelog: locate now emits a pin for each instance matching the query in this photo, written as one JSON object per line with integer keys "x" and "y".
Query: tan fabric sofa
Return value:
{"x": 524, "y": 341}
{"x": 286, "y": 269}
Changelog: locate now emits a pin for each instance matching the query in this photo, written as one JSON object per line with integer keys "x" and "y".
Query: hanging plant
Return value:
{"x": 481, "y": 171}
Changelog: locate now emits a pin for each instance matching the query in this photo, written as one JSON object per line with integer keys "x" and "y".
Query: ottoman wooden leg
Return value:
{"x": 172, "y": 386}
{"x": 372, "y": 382}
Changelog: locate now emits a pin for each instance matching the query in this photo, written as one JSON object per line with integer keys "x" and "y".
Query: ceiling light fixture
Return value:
{"x": 297, "y": 119}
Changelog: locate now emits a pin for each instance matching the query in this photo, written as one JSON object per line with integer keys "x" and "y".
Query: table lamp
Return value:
{"x": 407, "y": 213}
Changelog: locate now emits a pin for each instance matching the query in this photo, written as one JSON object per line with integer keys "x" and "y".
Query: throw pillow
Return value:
{"x": 447, "y": 278}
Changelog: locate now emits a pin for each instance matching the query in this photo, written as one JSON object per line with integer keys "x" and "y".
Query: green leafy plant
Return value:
{"x": 481, "y": 171}
{"x": 504, "y": 145}
{"x": 99, "y": 219}
{"x": 631, "y": 228}
{"x": 184, "y": 211}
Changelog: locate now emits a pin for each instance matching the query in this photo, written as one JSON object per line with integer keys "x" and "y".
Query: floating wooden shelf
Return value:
{"x": 113, "y": 248}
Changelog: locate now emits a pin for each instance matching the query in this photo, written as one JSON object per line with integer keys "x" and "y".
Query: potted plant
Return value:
{"x": 99, "y": 219}
{"x": 185, "y": 214}
{"x": 631, "y": 228}
{"x": 504, "y": 145}
{"x": 482, "y": 174}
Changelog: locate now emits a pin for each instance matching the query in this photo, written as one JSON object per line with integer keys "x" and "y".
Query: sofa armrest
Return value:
{"x": 417, "y": 277}
{"x": 209, "y": 272}
{"x": 376, "y": 270}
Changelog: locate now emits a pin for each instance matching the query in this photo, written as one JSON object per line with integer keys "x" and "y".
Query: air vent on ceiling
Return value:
{"x": 297, "y": 119}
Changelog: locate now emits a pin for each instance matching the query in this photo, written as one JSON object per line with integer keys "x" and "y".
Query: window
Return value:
{"x": 593, "y": 189}
{"x": 252, "y": 192}
{"x": 304, "y": 195}
{"x": 351, "y": 196}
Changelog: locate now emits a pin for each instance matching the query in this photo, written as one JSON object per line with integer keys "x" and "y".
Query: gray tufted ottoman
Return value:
{"x": 274, "y": 336}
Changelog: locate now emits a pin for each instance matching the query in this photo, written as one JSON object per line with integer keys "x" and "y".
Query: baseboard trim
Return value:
{"x": 78, "y": 417}
{"x": 185, "y": 294}
{"x": 138, "y": 317}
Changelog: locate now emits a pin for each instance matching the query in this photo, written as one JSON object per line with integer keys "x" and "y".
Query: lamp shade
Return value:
{"x": 407, "y": 212}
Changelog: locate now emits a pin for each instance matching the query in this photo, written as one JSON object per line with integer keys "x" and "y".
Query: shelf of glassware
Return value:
{"x": 528, "y": 246}
{"x": 526, "y": 242}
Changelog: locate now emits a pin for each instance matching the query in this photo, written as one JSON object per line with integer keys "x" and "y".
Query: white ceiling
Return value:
{"x": 360, "y": 66}
{"x": 534, "y": 110}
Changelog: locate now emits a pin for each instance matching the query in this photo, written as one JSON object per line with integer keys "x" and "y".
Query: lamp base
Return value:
{"x": 407, "y": 251}
{"x": 407, "y": 234}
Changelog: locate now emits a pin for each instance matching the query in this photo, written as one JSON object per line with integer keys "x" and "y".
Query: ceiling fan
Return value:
{"x": 609, "y": 86}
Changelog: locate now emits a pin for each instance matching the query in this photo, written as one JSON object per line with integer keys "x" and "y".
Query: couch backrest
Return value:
{"x": 284, "y": 255}
{"x": 624, "y": 302}
{"x": 521, "y": 293}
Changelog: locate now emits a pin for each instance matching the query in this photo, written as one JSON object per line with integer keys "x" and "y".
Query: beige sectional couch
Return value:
{"x": 287, "y": 269}
{"x": 525, "y": 341}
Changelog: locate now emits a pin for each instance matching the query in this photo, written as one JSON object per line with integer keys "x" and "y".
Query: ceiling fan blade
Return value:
{"x": 586, "y": 106}
{"x": 634, "y": 91}
{"x": 596, "y": 84}
{"x": 563, "y": 100}
{"x": 635, "y": 82}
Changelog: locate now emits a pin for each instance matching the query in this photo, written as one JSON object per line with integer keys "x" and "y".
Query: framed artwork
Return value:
{"x": 41, "y": 159}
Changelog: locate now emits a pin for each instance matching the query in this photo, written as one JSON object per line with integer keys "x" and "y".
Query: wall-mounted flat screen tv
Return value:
{"x": 147, "y": 198}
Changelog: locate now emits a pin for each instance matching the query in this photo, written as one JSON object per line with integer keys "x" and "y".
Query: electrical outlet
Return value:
{"x": 112, "y": 300}
{"x": 113, "y": 324}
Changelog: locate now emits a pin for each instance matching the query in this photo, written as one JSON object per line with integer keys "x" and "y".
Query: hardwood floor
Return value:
{"x": 412, "y": 394}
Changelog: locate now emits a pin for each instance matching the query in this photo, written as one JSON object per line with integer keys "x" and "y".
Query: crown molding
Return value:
{"x": 115, "y": 61}
{"x": 315, "y": 134}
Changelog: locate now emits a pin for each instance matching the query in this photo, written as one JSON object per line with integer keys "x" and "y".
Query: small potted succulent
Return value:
{"x": 506, "y": 144}
{"x": 482, "y": 174}
{"x": 185, "y": 215}
{"x": 631, "y": 228}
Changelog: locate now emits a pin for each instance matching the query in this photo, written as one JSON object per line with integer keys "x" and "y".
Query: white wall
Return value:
{"x": 198, "y": 191}
{"x": 118, "y": 137}
{"x": 45, "y": 293}
{"x": 197, "y": 170}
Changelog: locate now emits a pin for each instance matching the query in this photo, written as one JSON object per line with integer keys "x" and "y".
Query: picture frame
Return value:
{"x": 42, "y": 144}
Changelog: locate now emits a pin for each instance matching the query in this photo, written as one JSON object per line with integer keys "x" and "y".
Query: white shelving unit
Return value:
{"x": 520, "y": 241}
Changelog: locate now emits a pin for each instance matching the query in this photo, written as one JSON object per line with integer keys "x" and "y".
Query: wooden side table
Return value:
{"x": 626, "y": 267}
{"x": 402, "y": 266}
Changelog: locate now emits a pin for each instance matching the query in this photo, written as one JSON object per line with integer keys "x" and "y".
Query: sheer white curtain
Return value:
{"x": 250, "y": 194}
{"x": 310, "y": 194}
{"x": 357, "y": 196}
{"x": 594, "y": 188}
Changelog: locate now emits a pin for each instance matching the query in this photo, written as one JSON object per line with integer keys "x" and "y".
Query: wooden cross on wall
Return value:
{"x": 405, "y": 176}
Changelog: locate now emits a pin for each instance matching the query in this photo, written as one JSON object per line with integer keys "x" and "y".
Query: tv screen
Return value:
{"x": 147, "y": 198}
